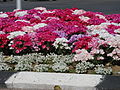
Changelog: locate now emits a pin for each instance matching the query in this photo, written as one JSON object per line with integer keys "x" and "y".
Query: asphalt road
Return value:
{"x": 105, "y": 6}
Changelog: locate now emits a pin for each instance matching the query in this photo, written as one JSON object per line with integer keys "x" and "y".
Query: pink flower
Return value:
{"x": 82, "y": 55}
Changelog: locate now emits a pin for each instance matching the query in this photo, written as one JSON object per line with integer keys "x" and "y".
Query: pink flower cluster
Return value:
{"x": 94, "y": 34}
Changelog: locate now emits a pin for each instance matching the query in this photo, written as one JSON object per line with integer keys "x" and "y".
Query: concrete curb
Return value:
{"x": 47, "y": 81}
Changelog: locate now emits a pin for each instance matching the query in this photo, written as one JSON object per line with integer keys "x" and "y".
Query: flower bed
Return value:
{"x": 85, "y": 39}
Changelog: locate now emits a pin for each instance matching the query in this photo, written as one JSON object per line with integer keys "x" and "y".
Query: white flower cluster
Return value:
{"x": 113, "y": 41}
{"x": 20, "y": 13}
{"x": 41, "y": 67}
{"x": 15, "y": 34}
{"x": 100, "y": 69}
{"x": 4, "y": 67}
{"x": 60, "y": 67}
{"x": 3, "y": 15}
{"x": 61, "y": 43}
{"x": 101, "y": 16}
{"x": 1, "y": 57}
{"x": 83, "y": 67}
{"x": 23, "y": 65}
{"x": 13, "y": 59}
{"x": 36, "y": 58}
{"x": 66, "y": 59}
{"x": 44, "y": 10}
{"x": 39, "y": 25}
{"x": 102, "y": 33}
{"x": 117, "y": 31}
{"x": 101, "y": 30}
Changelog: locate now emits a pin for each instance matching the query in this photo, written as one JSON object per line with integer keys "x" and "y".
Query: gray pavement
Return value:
{"x": 105, "y": 6}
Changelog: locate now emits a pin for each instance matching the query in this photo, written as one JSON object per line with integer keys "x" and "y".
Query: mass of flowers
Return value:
{"x": 88, "y": 35}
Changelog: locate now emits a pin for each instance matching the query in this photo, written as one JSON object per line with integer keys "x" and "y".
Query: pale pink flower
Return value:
{"x": 28, "y": 29}
{"x": 82, "y": 55}
{"x": 94, "y": 51}
{"x": 110, "y": 54}
{"x": 101, "y": 51}
{"x": 115, "y": 57}
{"x": 100, "y": 58}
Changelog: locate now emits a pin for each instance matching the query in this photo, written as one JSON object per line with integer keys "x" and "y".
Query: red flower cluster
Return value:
{"x": 21, "y": 43}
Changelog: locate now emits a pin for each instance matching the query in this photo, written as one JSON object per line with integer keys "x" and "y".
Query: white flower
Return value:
{"x": 84, "y": 18}
{"x": 78, "y": 12}
{"x": 23, "y": 21}
{"x": 11, "y": 48}
{"x": 108, "y": 23}
{"x": 1, "y": 32}
{"x": 4, "y": 66}
{"x": 38, "y": 17}
{"x": 41, "y": 67}
{"x": 20, "y": 13}
{"x": 101, "y": 16}
{"x": 40, "y": 8}
{"x": 50, "y": 18}
{"x": 39, "y": 25}
{"x": 3, "y": 15}
{"x": 45, "y": 11}
{"x": 61, "y": 43}
{"x": 117, "y": 31}
{"x": 15, "y": 34}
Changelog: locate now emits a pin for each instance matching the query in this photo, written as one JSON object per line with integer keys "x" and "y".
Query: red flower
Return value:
{"x": 3, "y": 40}
{"x": 21, "y": 43}
{"x": 82, "y": 43}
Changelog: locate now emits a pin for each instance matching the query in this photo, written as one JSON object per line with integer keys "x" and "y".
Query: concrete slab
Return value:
{"x": 47, "y": 81}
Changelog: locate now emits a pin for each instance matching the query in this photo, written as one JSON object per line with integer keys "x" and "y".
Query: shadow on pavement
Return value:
{"x": 109, "y": 83}
{"x": 4, "y": 76}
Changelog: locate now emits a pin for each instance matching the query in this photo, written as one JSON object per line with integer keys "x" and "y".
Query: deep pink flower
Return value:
{"x": 3, "y": 40}
{"x": 21, "y": 43}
